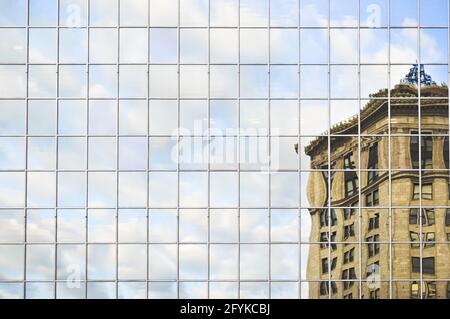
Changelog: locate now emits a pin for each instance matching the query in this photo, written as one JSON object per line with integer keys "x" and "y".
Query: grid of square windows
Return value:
{"x": 128, "y": 130}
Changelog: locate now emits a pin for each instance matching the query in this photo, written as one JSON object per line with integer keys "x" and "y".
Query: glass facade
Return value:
{"x": 224, "y": 149}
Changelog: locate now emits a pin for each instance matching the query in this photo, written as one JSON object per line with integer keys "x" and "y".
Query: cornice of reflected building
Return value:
{"x": 403, "y": 102}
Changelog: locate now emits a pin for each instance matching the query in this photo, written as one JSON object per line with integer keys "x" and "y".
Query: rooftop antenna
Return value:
{"x": 414, "y": 74}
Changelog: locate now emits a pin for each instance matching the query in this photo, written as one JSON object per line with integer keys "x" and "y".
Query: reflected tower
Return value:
{"x": 380, "y": 226}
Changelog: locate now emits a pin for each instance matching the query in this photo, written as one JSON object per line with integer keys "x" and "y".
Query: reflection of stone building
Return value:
{"x": 364, "y": 183}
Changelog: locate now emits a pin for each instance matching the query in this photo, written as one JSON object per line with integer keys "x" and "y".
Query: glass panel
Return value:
{"x": 132, "y": 189}
{"x": 102, "y": 153}
{"x": 102, "y": 262}
{"x": 433, "y": 13}
{"x": 254, "y": 263}
{"x": 344, "y": 14}
{"x": 254, "y": 82}
{"x": 193, "y": 268}
{"x": 254, "y": 13}
{"x": 12, "y": 267}
{"x": 404, "y": 13}
{"x": 103, "y": 12}
{"x": 73, "y": 13}
{"x": 132, "y": 153}
{"x": 71, "y": 189}
{"x": 223, "y": 225}
{"x": 132, "y": 225}
{"x": 224, "y": 12}
{"x": 72, "y": 153}
{"x": 72, "y": 46}
{"x": 223, "y": 262}
{"x": 12, "y": 151}
{"x": 103, "y": 45}
{"x": 164, "y": 13}
{"x": 163, "y": 45}
{"x": 102, "y": 82}
{"x": 133, "y": 117}
{"x": 224, "y": 45}
{"x": 39, "y": 195}
{"x": 41, "y": 117}
{"x": 133, "y": 45}
{"x": 40, "y": 262}
{"x": 163, "y": 117}
{"x": 42, "y": 81}
{"x": 284, "y": 13}
{"x": 223, "y": 81}
{"x": 102, "y": 189}
{"x": 134, "y": 13}
{"x": 12, "y": 224}
{"x": 101, "y": 225}
{"x": 41, "y": 153}
{"x": 224, "y": 189}
{"x": 71, "y": 264}
{"x": 42, "y": 45}
{"x": 159, "y": 197}
{"x": 71, "y": 225}
{"x": 132, "y": 262}
{"x": 41, "y": 226}
{"x": 102, "y": 117}
{"x": 12, "y": 189}
{"x": 193, "y": 225}
{"x": 43, "y": 12}
{"x": 193, "y": 189}
{"x": 14, "y": 12}
{"x": 314, "y": 13}
{"x": 13, "y": 81}
{"x": 162, "y": 153}
{"x": 284, "y": 46}
{"x": 12, "y": 117}
{"x": 13, "y": 49}
{"x": 163, "y": 81}
{"x": 163, "y": 225}
{"x": 193, "y": 81}
{"x": 162, "y": 262}
{"x": 133, "y": 81}
{"x": 194, "y": 12}
{"x": 283, "y": 81}
{"x": 254, "y": 46}
{"x": 72, "y": 81}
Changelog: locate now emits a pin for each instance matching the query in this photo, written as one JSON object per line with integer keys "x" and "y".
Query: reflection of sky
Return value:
{"x": 227, "y": 189}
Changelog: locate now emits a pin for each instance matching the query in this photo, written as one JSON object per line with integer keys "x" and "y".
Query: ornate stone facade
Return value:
{"x": 360, "y": 228}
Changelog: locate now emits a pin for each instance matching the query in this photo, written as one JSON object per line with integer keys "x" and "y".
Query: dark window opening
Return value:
{"x": 446, "y": 152}
{"x": 325, "y": 266}
{"x": 447, "y": 217}
{"x": 427, "y": 265}
{"x": 372, "y": 167}
{"x": 323, "y": 216}
{"x": 374, "y": 222}
{"x": 324, "y": 288}
{"x": 349, "y": 256}
{"x": 373, "y": 245}
{"x": 350, "y": 211}
{"x": 373, "y": 199}
{"x": 349, "y": 231}
{"x": 427, "y": 217}
{"x": 351, "y": 178}
{"x": 348, "y": 274}
{"x": 426, "y": 152}
{"x": 374, "y": 294}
